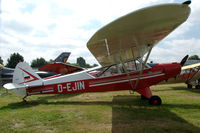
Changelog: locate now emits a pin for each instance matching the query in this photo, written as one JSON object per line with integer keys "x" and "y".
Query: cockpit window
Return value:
{"x": 152, "y": 64}
{"x": 131, "y": 66}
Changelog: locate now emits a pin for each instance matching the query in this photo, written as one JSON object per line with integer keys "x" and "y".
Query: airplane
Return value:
{"x": 120, "y": 43}
{"x": 190, "y": 75}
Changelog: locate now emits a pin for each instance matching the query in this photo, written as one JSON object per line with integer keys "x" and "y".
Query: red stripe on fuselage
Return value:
{"x": 34, "y": 78}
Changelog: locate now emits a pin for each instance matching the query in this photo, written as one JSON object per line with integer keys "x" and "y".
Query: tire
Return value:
{"x": 155, "y": 100}
{"x": 189, "y": 86}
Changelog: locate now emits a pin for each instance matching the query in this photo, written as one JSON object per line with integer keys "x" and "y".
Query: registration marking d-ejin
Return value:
{"x": 71, "y": 86}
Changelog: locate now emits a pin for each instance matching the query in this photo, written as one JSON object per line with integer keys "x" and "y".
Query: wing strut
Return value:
{"x": 128, "y": 76}
{"x": 143, "y": 65}
{"x": 123, "y": 65}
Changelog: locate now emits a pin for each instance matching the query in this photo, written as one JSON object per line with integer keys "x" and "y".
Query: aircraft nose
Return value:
{"x": 172, "y": 69}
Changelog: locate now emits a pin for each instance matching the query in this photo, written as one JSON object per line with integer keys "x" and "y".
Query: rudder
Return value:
{"x": 24, "y": 75}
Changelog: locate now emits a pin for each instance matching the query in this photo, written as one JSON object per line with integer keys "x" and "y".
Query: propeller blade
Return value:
{"x": 184, "y": 60}
{"x": 187, "y": 2}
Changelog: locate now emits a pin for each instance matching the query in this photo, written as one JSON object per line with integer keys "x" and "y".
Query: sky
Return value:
{"x": 46, "y": 28}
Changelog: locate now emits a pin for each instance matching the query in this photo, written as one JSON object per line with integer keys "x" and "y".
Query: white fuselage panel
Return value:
{"x": 68, "y": 78}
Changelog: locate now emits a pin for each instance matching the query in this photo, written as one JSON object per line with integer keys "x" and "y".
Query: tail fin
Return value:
{"x": 24, "y": 77}
{"x": 63, "y": 57}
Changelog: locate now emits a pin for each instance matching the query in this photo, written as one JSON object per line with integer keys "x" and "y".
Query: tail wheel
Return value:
{"x": 155, "y": 100}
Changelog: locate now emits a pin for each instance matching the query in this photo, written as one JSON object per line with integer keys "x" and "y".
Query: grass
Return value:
{"x": 116, "y": 112}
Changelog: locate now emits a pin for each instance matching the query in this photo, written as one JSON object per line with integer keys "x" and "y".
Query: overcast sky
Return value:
{"x": 45, "y": 28}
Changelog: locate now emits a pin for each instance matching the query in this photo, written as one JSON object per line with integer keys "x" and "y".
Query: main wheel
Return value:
{"x": 155, "y": 100}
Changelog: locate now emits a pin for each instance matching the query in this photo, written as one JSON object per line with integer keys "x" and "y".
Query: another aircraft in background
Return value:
{"x": 120, "y": 43}
{"x": 190, "y": 75}
{"x": 6, "y": 75}
{"x": 63, "y": 57}
{"x": 59, "y": 65}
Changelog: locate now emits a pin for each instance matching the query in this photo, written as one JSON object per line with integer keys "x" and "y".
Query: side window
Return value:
{"x": 131, "y": 66}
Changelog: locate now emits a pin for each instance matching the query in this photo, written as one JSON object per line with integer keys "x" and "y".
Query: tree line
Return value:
{"x": 15, "y": 58}
{"x": 38, "y": 62}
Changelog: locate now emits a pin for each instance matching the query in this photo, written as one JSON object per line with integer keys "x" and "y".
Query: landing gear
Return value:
{"x": 155, "y": 100}
{"x": 143, "y": 97}
{"x": 24, "y": 99}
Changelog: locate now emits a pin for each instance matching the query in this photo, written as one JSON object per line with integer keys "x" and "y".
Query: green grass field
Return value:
{"x": 116, "y": 112}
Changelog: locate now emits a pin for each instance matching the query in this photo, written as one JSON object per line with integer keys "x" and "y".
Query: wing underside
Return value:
{"x": 129, "y": 37}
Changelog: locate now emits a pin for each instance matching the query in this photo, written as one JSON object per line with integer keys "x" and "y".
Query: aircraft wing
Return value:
{"x": 60, "y": 68}
{"x": 190, "y": 66}
{"x": 128, "y": 37}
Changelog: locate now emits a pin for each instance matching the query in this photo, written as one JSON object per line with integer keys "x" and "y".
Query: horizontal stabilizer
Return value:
{"x": 11, "y": 86}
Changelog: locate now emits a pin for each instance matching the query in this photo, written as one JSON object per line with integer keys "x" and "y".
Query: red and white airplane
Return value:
{"x": 119, "y": 47}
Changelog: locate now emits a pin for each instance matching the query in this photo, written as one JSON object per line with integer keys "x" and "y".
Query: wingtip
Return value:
{"x": 187, "y": 2}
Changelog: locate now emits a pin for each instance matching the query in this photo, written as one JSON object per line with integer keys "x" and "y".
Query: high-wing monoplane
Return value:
{"x": 119, "y": 47}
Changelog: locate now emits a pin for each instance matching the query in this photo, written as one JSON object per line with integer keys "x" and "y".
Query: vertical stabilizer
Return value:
{"x": 24, "y": 75}
{"x": 63, "y": 57}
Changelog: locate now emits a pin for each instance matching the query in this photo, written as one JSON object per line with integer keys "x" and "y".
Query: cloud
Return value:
{"x": 48, "y": 27}
{"x": 16, "y": 26}
{"x": 175, "y": 50}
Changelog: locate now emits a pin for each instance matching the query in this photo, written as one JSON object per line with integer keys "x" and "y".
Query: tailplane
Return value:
{"x": 23, "y": 78}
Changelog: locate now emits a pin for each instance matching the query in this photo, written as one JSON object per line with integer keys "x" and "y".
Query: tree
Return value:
{"x": 38, "y": 62}
{"x": 74, "y": 64}
{"x": 50, "y": 61}
{"x": 88, "y": 66}
{"x": 194, "y": 57}
{"x": 1, "y": 61}
{"x": 94, "y": 65}
{"x": 81, "y": 62}
{"x": 14, "y": 59}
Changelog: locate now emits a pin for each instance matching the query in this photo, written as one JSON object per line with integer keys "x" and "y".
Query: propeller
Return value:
{"x": 187, "y": 2}
{"x": 184, "y": 60}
